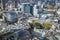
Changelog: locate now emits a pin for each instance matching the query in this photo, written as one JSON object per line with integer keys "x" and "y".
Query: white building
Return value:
{"x": 40, "y": 4}
{"x": 35, "y": 11}
{"x": 58, "y": 12}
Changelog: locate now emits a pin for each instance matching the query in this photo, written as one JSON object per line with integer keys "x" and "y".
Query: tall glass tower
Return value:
{"x": 27, "y": 8}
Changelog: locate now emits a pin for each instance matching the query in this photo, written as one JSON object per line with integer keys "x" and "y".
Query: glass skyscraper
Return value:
{"x": 28, "y": 8}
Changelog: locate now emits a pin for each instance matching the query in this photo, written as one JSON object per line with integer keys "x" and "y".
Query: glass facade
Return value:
{"x": 26, "y": 8}
{"x": 11, "y": 17}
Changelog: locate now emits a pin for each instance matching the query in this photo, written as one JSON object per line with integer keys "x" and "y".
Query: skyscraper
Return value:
{"x": 58, "y": 3}
{"x": 27, "y": 8}
{"x": 16, "y": 3}
{"x": 35, "y": 11}
{"x": 10, "y": 4}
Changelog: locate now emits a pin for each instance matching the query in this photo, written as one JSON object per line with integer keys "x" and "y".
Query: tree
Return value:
{"x": 47, "y": 25}
{"x": 37, "y": 25}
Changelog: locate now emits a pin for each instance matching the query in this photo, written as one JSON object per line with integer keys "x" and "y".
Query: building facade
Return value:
{"x": 27, "y": 8}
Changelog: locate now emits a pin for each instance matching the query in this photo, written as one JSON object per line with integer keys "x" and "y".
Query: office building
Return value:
{"x": 10, "y": 5}
{"x": 19, "y": 8}
{"x": 27, "y": 8}
{"x": 35, "y": 11}
{"x": 17, "y": 2}
{"x": 58, "y": 3}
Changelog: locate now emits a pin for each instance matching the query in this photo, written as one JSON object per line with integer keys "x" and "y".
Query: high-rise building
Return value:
{"x": 17, "y": 2}
{"x": 10, "y": 5}
{"x": 27, "y": 8}
{"x": 19, "y": 8}
{"x": 58, "y": 3}
{"x": 35, "y": 11}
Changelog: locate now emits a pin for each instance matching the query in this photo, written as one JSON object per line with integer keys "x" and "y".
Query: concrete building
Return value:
{"x": 19, "y": 8}
{"x": 35, "y": 11}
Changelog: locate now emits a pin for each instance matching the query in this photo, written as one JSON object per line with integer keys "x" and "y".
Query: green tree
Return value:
{"x": 37, "y": 25}
{"x": 47, "y": 25}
